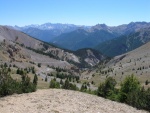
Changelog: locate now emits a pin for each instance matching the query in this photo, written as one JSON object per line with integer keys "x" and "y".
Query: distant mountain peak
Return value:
{"x": 99, "y": 27}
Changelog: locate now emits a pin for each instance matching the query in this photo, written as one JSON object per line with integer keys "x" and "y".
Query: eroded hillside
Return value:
{"x": 14, "y": 41}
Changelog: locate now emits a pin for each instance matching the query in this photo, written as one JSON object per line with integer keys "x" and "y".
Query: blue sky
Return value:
{"x": 79, "y": 12}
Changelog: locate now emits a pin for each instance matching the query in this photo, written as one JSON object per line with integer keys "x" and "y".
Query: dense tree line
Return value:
{"x": 60, "y": 69}
{"x": 20, "y": 71}
{"x": 9, "y": 86}
{"x": 72, "y": 78}
{"x": 130, "y": 92}
{"x": 69, "y": 77}
{"x": 63, "y": 85}
{"x": 68, "y": 85}
{"x": 43, "y": 53}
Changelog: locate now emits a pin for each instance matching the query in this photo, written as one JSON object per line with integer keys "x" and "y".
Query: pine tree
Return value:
{"x": 9, "y": 70}
{"x": 5, "y": 65}
{"x": 18, "y": 71}
{"x": 129, "y": 85}
{"x": 105, "y": 88}
{"x": 146, "y": 82}
{"x": 35, "y": 79}
{"x": 46, "y": 79}
{"x": 61, "y": 82}
{"x": 66, "y": 84}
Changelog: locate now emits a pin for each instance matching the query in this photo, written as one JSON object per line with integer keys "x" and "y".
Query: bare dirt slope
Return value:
{"x": 135, "y": 62}
{"x": 61, "y": 101}
{"x": 13, "y": 35}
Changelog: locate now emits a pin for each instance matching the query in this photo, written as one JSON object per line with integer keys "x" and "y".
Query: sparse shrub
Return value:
{"x": 33, "y": 70}
{"x": 18, "y": 71}
{"x": 46, "y": 79}
{"x": 39, "y": 64}
{"x": 93, "y": 75}
{"x": 92, "y": 82}
{"x": 5, "y": 65}
{"x": 83, "y": 87}
{"x": 9, "y": 70}
{"x": 61, "y": 82}
{"x": 66, "y": 84}
{"x": 146, "y": 82}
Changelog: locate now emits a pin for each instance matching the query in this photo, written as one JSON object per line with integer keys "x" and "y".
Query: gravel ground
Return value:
{"x": 61, "y": 101}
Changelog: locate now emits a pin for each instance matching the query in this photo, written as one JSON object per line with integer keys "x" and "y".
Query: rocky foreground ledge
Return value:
{"x": 61, "y": 101}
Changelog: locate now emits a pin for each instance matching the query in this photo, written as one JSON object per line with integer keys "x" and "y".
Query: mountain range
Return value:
{"x": 47, "y": 31}
{"x": 81, "y": 38}
{"x": 105, "y": 39}
{"x": 111, "y": 41}
{"x": 124, "y": 43}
